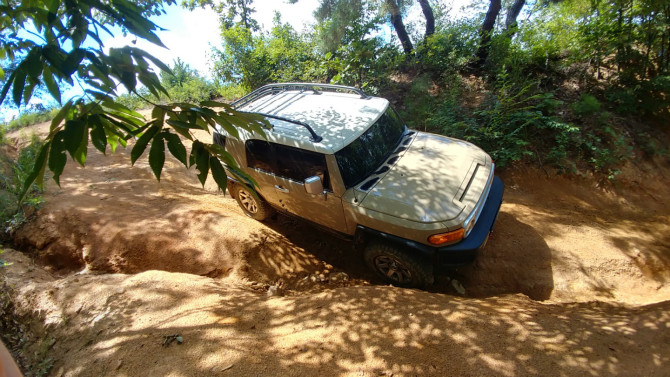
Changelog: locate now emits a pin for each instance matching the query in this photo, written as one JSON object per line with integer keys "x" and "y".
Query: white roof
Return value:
{"x": 339, "y": 118}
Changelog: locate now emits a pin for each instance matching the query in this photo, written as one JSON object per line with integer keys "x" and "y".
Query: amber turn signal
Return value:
{"x": 440, "y": 238}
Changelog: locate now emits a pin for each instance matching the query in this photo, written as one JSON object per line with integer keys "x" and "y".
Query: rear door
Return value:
{"x": 261, "y": 165}
{"x": 293, "y": 166}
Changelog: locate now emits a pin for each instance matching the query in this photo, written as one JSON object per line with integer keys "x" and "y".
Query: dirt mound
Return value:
{"x": 556, "y": 239}
{"x": 117, "y": 324}
{"x": 109, "y": 218}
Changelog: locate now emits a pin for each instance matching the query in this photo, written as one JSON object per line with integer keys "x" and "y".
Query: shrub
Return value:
{"x": 586, "y": 106}
{"x": 30, "y": 117}
{"x": 12, "y": 213}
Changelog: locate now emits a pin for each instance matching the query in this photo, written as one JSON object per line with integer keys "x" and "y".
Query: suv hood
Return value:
{"x": 432, "y": 181}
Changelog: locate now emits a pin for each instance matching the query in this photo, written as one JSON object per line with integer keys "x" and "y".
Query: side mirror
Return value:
{"x": 313, "y": 185}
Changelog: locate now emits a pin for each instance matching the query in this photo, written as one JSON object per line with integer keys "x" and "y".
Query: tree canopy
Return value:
{"x": 53, "y": 42}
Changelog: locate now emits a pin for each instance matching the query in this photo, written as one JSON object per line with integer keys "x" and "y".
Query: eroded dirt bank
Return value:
{"x": 115, "y": 324}
{"x": 119, "y": 261}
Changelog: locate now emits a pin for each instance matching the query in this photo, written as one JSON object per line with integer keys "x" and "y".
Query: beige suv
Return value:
{"x": 413, "y": 202}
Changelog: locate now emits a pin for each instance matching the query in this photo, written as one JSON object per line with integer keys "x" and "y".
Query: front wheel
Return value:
{"x": 252, "y": 204}
{"x": 397, "y": 266}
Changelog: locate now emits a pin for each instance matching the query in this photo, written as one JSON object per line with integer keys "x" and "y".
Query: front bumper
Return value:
{"x": 466, "y": 250}
{"x": 458, "y": 254}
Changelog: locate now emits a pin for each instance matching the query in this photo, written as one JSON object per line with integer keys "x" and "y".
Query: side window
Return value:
{"x": 260, "y": 156}
{"x": 298, "y": 164}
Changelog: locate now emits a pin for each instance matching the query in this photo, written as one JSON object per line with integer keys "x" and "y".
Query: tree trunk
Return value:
{"x": 485, "y": 34}
{"x": 512, "y": 14}
{"x": 399, "y": 26}
{"x": 430, "y": 18}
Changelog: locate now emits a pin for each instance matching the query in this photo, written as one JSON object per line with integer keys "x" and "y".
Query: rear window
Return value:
{"x": 287, "y": 162}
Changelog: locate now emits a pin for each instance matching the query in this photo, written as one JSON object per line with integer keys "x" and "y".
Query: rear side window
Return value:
{"x": 298, "y": 164}
{"x": 259, "y": 155}
{"x": 287, "y": 162}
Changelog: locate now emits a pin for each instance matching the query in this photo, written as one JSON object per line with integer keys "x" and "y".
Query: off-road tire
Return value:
{"x": 252, "y": 205}
{"x": 396, "y": 266}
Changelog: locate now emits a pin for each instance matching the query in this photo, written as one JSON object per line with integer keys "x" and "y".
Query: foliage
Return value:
{"x": 587, "y": 105}
{"x": 29, "y": 349}
{"x": 69, "y": 49}
{"x": 253, "y": 60}
{"x": 13, "y": 212}
{"x": 3, "y": 263}
{"x": 230, "y": 92}
{"x": 449, "y": 49}
{"x": 184, "y": 84}
{"x": 231, "y": 12}
{"x": 517, "y": 121}
{"x": 28, "y": 118}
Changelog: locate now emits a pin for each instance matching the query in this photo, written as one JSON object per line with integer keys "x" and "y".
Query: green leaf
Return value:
{"x": 157, "y": 156}
{"x": 98, "y": 136}
{"x": 113, "y": 142}
{"x": 176, "y": 147}
{"x": 200, "y": 157}
{"x": 227, "y": 125}
{"x": 158, "y": 114}
{"x": 158, "y": 63}
{"x": 32, "y": 65}
{"x": 49, "y": 81}
{"x": 218, "y": 173}
{"x": 122, "y": 109}
{"x": 75, "y": 132}
{"x": 57, "y": 156}
{"x": 143, "y": 141}
{"x": 37, "y": 168}
{"x": 62, "y": 113}
{"x": 28, "y": 90}
{"x": 72, "y": 62}
{"x": 19, "y": 82}
{"x": 8, "y": 84}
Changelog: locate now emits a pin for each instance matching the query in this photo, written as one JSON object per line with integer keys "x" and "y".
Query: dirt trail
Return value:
{"x": 528, "y": 308}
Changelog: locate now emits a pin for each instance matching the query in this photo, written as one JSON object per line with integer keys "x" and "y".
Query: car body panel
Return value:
{"x": 423, "y": 184}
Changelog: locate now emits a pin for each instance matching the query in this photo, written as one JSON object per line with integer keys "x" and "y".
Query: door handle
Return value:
{"x": 280, "y": 188}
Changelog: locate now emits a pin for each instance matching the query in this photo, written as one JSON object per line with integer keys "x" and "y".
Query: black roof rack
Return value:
{"x": 315, "y": 138}
{"x": 278, "y": 88}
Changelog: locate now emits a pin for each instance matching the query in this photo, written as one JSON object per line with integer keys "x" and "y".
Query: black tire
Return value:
{"x": 397, "y": 266}
{"x": 252, "y": 205}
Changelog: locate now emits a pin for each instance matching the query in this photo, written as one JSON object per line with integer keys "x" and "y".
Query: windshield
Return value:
{"x": 360, "y": 158}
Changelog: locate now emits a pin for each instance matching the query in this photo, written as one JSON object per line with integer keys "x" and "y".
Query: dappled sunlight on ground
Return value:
{"x": 116, "y": 324}
{"x": 573, "y": 282}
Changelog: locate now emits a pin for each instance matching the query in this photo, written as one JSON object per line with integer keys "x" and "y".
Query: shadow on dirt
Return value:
{"x": 506, "y": 265}
{"x": 337, "y": 331}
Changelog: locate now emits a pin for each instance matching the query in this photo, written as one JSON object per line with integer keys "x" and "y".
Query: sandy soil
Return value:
{"x": 573, "y": 281}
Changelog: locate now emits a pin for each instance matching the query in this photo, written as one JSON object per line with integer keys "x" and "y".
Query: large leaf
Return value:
{"x": 57, "y": 156}
{"x": 200, "y": 157}
{"x": 62, "y": 113}
{"x": 19, "y": 83}
{"x": 218, "y": 173}
{"x": 75, "y": 134}
{"x": 176, "y": 147}
{"x": 157, "y": 156}
{"x": 48, "y": 78}
{"x": 38, "y": 168}
{"x": 8, "y": 84}
{"x": 72, "y": 61}
{"x": 98, "y": 136}
{"x": 143, "y": 141}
